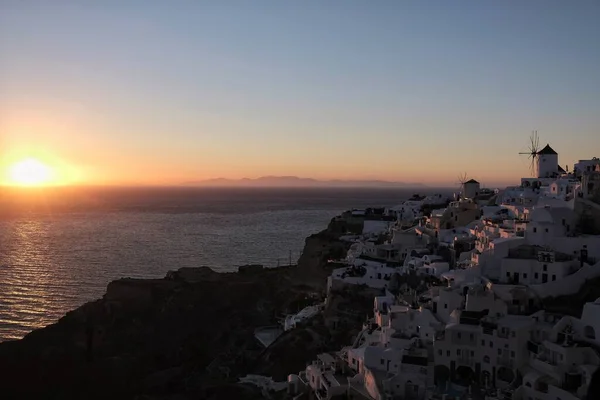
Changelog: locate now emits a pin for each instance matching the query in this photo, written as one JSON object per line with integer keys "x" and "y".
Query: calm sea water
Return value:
{"x": 60, "y": 249}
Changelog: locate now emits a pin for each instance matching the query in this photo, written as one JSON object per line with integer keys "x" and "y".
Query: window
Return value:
{"x": 491, "y": 344}
{"x": 440, "y": 353}
{"x": 508, "y": 274}
{"x": 482, "y": 342}
{"x": 382, "y": 361}
{"x": 545, "y": 267}
{"x": 546, "y": 230}
{"x": 499, "y": 352}
{"x": 536, "y": 275}
{"x": 524, "y": 275}
{"x": 514, "y": 334}
{"x": 472, "y": 353}
{"x": 564, "y": 222}
{"x": 459, "y": 335}
{"x": 471, "y": 336}
{"x": 553, "y": 277}
{"x": 486, "y": 359}
{"x": 445, "y": 305}
{"x": 512, "y": 354}
{"x": 534, "y": 230}
{"x": 458, "y": 352}
{"x": 448, "y": 353}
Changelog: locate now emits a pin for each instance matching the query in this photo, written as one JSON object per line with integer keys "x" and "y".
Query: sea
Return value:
{"x": 60, "y": 247}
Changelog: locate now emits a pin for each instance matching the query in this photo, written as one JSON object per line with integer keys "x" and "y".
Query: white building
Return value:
{"x": 477, "y": 347}
{"x": 564, "y": 188}
{"x": 323, "y": 377}
{"x": 393, "y": 360}
{"x": 586, "y": 166}
{"x": 562, "y": 358}
{"x": 373, "y": 274}
{"x": 530, "y": 265}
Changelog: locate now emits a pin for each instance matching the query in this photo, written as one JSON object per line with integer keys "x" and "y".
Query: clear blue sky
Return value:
{"x": 165, "y": 91}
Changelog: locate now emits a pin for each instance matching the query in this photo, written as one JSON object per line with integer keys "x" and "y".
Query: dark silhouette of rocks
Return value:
{"x": 189, "y": 335}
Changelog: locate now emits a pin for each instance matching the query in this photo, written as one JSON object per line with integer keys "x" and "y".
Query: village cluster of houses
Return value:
{"x": 488, "y": 260}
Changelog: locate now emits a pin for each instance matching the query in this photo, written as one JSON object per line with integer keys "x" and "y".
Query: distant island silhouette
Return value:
{"x": 294, "y": 181}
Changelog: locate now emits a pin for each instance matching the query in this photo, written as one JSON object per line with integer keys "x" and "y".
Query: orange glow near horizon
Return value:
{"x": 30, "y": 172}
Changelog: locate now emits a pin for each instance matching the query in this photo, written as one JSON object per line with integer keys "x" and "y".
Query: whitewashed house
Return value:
{"x": 563, "y": 188}
{"x": 324, "y": 379}
{"x": 531, "y": 265}
{"x": 478, "y": 347}
{"x": 392, "y": 360}
{"x": 562, "y": 360}
{"x": 447, "y": 300}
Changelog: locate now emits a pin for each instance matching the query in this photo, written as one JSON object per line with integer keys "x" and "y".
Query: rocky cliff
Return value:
{"x": 189, "y": 335}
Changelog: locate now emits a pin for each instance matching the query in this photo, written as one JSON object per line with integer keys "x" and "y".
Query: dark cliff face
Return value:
{"x": 189, "y": 335}
{"x": 151, "y": 336}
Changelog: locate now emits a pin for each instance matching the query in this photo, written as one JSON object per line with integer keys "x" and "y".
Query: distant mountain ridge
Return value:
{"x": 294, "y": 181}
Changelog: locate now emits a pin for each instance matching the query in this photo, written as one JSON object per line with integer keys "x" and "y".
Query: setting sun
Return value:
{"x": 30, "y": 172}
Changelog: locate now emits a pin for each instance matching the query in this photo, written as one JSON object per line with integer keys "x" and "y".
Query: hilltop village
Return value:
{"x": 467, "y": 294}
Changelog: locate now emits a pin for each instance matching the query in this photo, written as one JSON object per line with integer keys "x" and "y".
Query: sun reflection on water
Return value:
{"x": 28, "y": 286}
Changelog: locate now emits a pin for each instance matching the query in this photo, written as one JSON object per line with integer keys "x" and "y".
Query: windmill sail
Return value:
{"x": 534, "y": 148}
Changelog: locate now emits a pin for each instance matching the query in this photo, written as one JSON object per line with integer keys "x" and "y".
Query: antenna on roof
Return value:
{"x": 534, "y": 148}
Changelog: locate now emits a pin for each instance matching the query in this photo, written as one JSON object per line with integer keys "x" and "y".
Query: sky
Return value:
{"x": 164, "y": 92}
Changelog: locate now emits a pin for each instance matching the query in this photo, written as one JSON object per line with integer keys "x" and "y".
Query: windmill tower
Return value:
{"x": 469, "y": 188}
{"x": 547, "y": 162}
{"x": 533, "y": 149}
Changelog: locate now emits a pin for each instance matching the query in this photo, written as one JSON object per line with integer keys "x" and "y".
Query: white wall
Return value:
{"x": 470, "y": 190}
{"x": 541, "y": 233}
{"x": 568, "y": 285}
{"x": 572, "y": 245}
{"x": 382, "y": 359}
{"x": 590, "y": 320}
{"x": 531, "y": 271}
{"x": 447, "y": 302}
{"x": 547, "y": 165}
{"x": 434, "y": 269}
{"x": 486, "y": 301}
